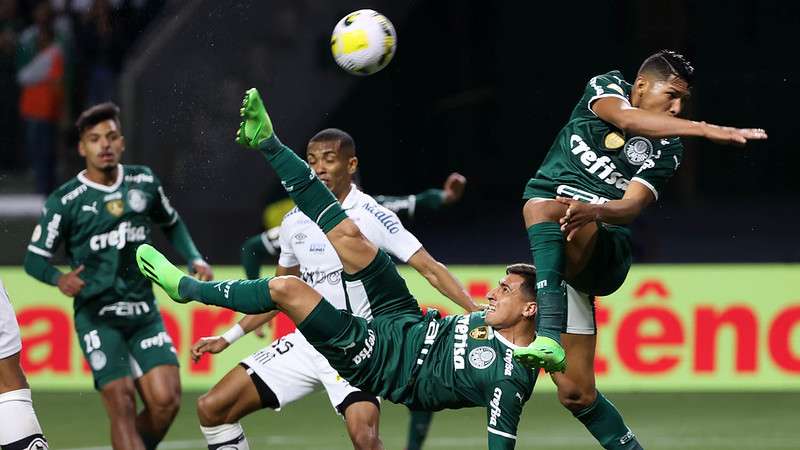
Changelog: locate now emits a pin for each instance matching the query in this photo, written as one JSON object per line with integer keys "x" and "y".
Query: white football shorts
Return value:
{"x": 293, "y": 368}
{"x": 580, "y": 312}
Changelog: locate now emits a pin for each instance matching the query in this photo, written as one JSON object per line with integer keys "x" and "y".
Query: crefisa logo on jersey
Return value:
{"x": 482, "y": 357}
{"x": 638, "y": 150}
{"x": 137, "y": 200}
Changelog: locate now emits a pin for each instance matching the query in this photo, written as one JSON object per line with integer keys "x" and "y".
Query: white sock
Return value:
{"x": 20, "y": 428}
{"x": 231, "y": 435}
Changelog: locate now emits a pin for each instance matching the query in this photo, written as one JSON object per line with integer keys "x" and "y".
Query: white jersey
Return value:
{"x": 303, "y": 243}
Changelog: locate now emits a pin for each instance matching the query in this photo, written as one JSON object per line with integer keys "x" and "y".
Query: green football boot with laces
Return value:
{"x": 255, "y": 126}
{"x": 160, "y": 271}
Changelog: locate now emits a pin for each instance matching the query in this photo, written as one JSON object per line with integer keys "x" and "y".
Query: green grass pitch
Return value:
{"x": 661, "y": 421}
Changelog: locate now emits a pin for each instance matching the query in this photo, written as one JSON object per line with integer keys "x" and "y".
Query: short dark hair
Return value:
{"x": 528, "y": 274}
{"x": 96, "y": 114}
{"x": 666, "y": 63}
{"x": 346, "y": 142}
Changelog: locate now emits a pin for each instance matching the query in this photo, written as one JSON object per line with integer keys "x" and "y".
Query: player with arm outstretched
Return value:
{"x": 422, "y": 361}
{"x": 290, "y": 368}
{"x": 257, "y": 248}
{"x": 101, "y": 216}
{"x": 614, "y": 156}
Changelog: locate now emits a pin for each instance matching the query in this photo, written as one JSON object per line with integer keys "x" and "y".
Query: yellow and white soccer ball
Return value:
{"x": 363, "y": 42}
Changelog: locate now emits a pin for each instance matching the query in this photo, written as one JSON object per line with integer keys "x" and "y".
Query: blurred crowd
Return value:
{"x": 58, "y": 57}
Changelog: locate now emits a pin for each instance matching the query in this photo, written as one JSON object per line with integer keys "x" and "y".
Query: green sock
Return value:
{"x": 605, "y": 423}
{"x": 418, "y": 429}
{"x": 309, "y": 194}
{"x": 245, "y": 296}
{"x": 253, "y": 254}
{"x": 547, "y": 245}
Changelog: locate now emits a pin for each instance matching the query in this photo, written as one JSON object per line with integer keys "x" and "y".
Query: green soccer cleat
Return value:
{"x": 160, "y": 271}
{"x": 255, "y": 127}
{"x": 542, "y": 352}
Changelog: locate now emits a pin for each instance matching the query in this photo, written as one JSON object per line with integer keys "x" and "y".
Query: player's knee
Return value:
{"x": 210, "y": 410}
{"x": 540, "y": 210}
{"x": 575, "y": 399}
{"x": 284, "y": 288}
{"x": 165, "y": 405}
{"x": 121, "y": 401}
{"x": 345, "y": 230}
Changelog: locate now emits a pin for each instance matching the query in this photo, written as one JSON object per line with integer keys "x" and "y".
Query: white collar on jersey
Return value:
{"x": 505, "y": 341}
{"x": 352, "y": 197}
{"x": 101, "y": 187}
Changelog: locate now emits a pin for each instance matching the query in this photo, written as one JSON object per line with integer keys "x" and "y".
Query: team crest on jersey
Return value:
{"x": 638, "y": 150}
{"x": 137, "y": 200}
{"x": 115, "y": 207}
{"x": 97, "y": 359}
{"x": 614, "y": 140}
{"x": 482, "y": 357}
{"x": 480, "y": 333}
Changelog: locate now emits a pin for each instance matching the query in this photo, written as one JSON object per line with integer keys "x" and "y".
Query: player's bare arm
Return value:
{"x": 439, "y": 277}
{"x": 617, "y": 212}
{"x": 638, "y": 121}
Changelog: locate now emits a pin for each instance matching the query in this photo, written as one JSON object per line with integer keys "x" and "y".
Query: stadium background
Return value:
{"x": 481, "y": 88}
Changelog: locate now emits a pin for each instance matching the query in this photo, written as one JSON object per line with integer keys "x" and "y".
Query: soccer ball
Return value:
{"x": 363, "y": 42}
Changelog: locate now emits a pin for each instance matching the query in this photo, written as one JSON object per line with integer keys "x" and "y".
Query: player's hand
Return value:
{"x": 70, "y": 283}
{"x": 210, "y": 344}
{"x": 577, "y": 215}
{"x": 732, "y": 136}
{"x": 201, "y": 270}
{"x": 259, "y": 331}
{"x": 454, "y": 188}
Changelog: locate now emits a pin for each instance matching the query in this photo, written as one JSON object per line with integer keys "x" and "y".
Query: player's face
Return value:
{"x": 662, "y": 96}
{"x": 508, "y": 303}
{"x": 331, "y": 165}
{"x": 102, "y": 146}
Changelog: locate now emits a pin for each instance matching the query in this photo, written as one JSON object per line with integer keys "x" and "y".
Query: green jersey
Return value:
{"x": 593, "y": 161}
{"x": 101, "y": 226}
{"x": 468, "y": 364}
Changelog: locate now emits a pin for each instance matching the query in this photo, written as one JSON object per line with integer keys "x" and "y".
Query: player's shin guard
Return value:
{"x": 309, "y": 194}
{"x": 605, "y": 423}
{"x": 227, "y": 436}
{"x": 418, "y": 428}
{"x": 246, "y": 296}
{"x": 19, "y": 427}
{"x": 547, "y": 245}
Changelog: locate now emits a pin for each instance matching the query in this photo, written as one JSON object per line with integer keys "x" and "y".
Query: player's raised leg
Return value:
{"x": 577, "y": 392}
{"x": 310, "y": 195}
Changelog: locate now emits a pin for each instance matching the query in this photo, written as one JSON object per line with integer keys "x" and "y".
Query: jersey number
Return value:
{"x": 92, "y": 340}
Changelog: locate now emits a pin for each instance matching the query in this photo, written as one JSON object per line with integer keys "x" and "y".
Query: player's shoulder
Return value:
{"x": 292, "y": 217}
{"x": 66, "y": 193}
{"x": 612, "y": 81}
{"x": 138, "y": 174}
{"x": 373, "y": 212}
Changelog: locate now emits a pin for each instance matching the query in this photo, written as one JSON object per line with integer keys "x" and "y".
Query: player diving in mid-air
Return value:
{"x": 613, "y": 157}
{"x": 422, "y": 361}
{"x": 290, "y": 368}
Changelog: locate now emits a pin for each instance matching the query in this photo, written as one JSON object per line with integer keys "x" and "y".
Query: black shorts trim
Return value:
{"x": 268, "y": 397}
{"x": 355, "y": 397}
